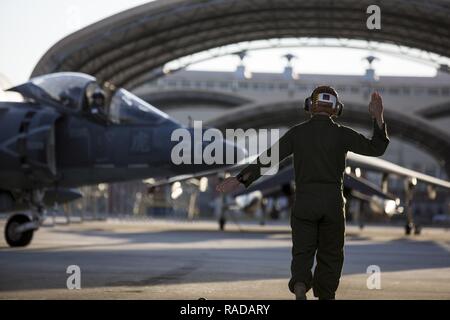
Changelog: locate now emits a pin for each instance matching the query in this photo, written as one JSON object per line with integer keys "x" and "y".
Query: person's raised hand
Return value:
{"x": 376, "y": 108}
{"x": 228, "y": 184}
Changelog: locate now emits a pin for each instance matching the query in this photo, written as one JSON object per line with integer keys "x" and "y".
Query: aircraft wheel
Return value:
{"x": 417, "y": 230}
{"x": 14, "y": 238}
{"x": 222, "y": 222}
{"x": 408, "y": 229}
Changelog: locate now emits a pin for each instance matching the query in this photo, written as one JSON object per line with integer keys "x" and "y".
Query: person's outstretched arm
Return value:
{"x": 358, "y": 143}
{"x": 253, "y": 171}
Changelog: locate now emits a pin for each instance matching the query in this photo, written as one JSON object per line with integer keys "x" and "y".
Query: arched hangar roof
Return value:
{"x": 127, "y": 47}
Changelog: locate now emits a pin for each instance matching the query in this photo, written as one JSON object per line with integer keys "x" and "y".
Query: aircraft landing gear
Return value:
{"x": 409, "y": 194}
{"x": 408, "y": 228}
{"x": 417, "y": 229}
{"x": 222, "y": 222}
{"x": 18, "y": 232}
{"x": 20, "y": 227}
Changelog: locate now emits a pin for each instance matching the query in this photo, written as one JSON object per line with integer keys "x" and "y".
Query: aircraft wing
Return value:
{"x": 380, "y": 165}
{"x": 364, "y": 186}
{"x": 286, "y": 175}
{"x": 353, "y": 159}
{"x": 185, "y": 177}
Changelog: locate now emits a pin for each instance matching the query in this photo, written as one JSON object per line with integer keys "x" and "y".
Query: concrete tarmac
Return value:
{"x": 159, "y": 259}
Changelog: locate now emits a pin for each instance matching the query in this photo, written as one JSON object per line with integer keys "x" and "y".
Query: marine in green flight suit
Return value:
{"x": 319, "y": 147}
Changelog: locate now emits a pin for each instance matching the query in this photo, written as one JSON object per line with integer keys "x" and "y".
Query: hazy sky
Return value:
{"x": 28, "y": 28}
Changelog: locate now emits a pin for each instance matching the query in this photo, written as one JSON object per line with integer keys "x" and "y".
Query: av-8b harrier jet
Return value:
{"x": 72, "y": 131}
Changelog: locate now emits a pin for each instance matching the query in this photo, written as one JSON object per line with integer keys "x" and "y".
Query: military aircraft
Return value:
{"x": 379, "y": 198}
{"x": 282, "y": 185}
{"x": 72, "y": 130}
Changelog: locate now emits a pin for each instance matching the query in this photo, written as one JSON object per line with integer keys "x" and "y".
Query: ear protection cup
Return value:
{"x": 308, "y": 104}
{"x": 340, "y": 109}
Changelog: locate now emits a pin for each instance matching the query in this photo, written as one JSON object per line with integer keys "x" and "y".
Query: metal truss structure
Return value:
{"x": 135, "y": 44}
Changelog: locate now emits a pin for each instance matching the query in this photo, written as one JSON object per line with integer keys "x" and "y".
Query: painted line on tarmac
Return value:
{"x": 444, "y": 245}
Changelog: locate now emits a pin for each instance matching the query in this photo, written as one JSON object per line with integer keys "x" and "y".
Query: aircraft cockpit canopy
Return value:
{"x": 126, "y": 108}
{"x": 81, "y": 93}
{"x": 66, "y": 88}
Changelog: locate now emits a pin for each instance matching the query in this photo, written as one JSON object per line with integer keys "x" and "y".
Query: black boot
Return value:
{"x": 300, "y": 291}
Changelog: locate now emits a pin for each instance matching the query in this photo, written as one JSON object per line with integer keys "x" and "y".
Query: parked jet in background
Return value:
{"x": 379, "y": 198}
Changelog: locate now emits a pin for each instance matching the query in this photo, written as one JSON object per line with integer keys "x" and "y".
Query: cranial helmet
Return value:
{"x": 327, "y": 96}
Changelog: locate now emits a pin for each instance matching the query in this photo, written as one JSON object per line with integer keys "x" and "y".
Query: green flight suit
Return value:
{"x": 319, "y": 147}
